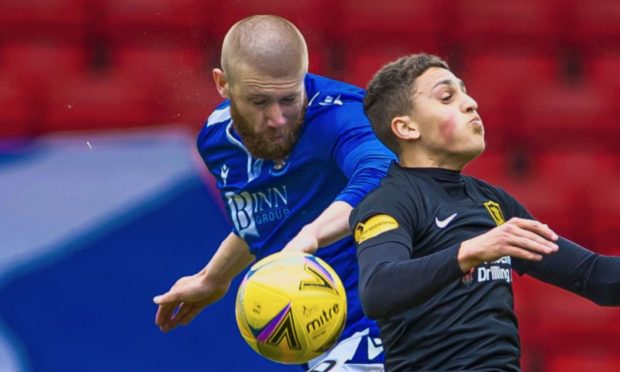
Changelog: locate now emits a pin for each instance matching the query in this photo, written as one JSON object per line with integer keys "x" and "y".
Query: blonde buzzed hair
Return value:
{"x": 266, "y": 43}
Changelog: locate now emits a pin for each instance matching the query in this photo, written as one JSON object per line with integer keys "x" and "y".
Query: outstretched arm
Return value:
{"x": 330, "y": 226}
{"x": 364, "y": 161}
{"x": 582, "y": 272}
{"x": 574, "y": 268}
{"x": 191, "y": 294}
{"x": 389, "y": 262}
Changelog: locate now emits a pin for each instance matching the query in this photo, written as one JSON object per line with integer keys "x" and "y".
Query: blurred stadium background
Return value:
{"x": 103, "y": 202}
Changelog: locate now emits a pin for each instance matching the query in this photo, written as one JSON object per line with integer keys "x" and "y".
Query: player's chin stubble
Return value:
{"x": 259, "y": 144}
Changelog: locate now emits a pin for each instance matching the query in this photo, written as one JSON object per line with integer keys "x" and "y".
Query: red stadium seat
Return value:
{"x": 498, "y": 82}
{"x": 547, "y": 204}
{"x": 594, "y": 361}
{"x": 563, "y": 320}
{"x": 576, "y": 168}
{"x": 555, "y": 187}
{"x": 157, "y": 67}
{"x": 549, "y": 316}
{"x": 59, "y": 20}
{"x": 18, "y": 112}
{"x": 521, "y": 177}
{"x": 594, "y": 25}
{"x": 517, "y": 25}
{"x": 417, "y": 23}
{"x": 373, "y": 34}
{"x": 604, "y": 218}
{"x": 158, "y": 22}
{"x": 180, "y": 79}
{"x": 571, "y": 117}
{"x": 493, "y": 167}
{"x": 37, "y": 66}
{"x": 554, "y": 322}
{"x": 99, "y": 102}
{"x": 189, "y": 99}
{"x": 40, "y": 63}
{"x": 582, "y": 178}
{"x": 551, "y": 320}
{"x": 312, "y": 16}
{"x": 602, "y": 70}
{"x": 316, "y": 19}
{"x": 362, "y": 62}
{"x": 604, "y": 202}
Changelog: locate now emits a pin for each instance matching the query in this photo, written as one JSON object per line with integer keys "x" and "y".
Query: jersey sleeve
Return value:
{"x": 383, "y": 230}
{"x": 382, "y": 220}
{"x": 585, "y": 273}
{"x": 515, "y": 209}
{"x": 572, "y": 267}
{"x": 362, "y": 158}
{"x": 207, "y": 140}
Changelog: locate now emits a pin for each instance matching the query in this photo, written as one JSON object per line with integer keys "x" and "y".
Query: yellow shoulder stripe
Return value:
{"x": 374, "y": 226}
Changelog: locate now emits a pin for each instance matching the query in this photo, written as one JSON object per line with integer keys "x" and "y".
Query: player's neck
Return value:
{"x": 419, "y": 159}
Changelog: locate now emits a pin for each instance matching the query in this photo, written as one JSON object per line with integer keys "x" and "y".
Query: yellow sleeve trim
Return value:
{"x": 374, "y": 226}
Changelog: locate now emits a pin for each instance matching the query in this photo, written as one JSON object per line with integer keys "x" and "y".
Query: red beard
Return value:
{"x": 258, "y": 143}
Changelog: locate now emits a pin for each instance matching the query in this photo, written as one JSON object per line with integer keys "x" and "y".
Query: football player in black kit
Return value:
{"x": 436, "y": 248}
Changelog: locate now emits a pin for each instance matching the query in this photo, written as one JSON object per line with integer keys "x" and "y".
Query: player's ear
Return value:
{"x": 405, "y": 128}
{"x": 221, "y": 82}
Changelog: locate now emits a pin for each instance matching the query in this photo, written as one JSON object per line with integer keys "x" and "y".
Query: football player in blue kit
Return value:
{"x": 292, "y": 154}
{"x": 436, "y": 248}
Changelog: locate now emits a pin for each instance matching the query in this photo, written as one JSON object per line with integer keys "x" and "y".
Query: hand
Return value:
{"x": 519, "y": 238}
{"x": 187, "y": 297}
{"x": 305, "y": 241}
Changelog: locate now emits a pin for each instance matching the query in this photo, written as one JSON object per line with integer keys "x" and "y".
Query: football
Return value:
{"x": 291, "y": 307}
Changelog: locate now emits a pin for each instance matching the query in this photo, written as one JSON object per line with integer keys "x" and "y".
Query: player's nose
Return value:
{"x": 469, "y": 104}
{"x": 275, "y": 116}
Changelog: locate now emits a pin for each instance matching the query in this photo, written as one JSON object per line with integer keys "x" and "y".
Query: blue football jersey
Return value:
{"x": 337, "y": 157}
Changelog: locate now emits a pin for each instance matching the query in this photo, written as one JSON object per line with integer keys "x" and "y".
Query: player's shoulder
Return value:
{"x": 221, "y": 114}
{"x": 479, "y": 183}
{"x": 488, "y": 188}
{"x": 496, "y": 194}
{"x": 325, "y": 86}
{"x": 331, "y": 97}
{"x": 397, "y": 193}
{"x": 215, "y": 124}
{"x": 400, "y": 180}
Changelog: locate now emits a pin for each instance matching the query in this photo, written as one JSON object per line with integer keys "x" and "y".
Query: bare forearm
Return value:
{"x": 232, "y": 257}
{"x": 332, "y": 224}
{"x": 190, "y": 294}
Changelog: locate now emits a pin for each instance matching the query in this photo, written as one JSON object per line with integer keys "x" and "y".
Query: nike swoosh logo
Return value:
{"x": 443, "y": 223}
